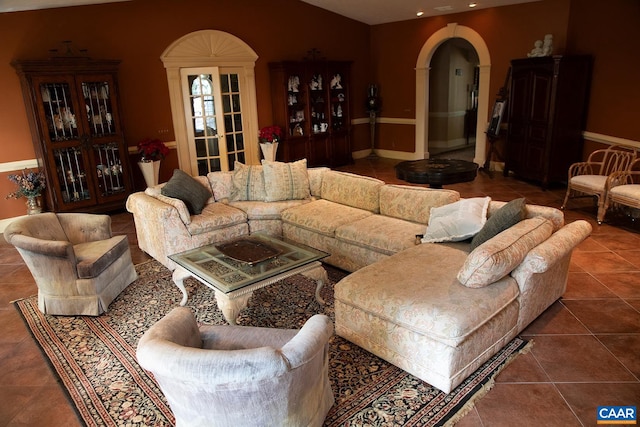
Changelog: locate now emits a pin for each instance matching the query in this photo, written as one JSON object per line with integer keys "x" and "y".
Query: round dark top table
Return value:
{"x": 436, "y": 172}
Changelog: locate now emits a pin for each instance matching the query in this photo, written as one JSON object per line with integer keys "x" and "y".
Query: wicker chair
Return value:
{"x": 624, "y": 189}
{"x": 591, "y": 178}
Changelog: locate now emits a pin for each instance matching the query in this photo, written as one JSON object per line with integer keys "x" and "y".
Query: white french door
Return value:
{"x": 214, "y": 118}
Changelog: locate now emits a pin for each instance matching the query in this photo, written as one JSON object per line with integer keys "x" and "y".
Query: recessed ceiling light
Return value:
{"x": 420, "y": 13}
{"x": 473, "y": 4}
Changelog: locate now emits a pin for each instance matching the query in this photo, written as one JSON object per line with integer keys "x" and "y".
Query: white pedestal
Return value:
{"x": 269, "y": 150}
{"x": 150, "y": 172}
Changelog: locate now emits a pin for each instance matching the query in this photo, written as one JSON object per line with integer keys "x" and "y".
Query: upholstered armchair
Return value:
{"x": 624, "y": 189}
{"x": 240, "y": 375}
{"x": 591, "y": 178}
{"x": 78, "y": 266}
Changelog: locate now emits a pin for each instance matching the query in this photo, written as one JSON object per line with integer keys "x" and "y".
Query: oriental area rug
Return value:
{"x": 94, "y": 357}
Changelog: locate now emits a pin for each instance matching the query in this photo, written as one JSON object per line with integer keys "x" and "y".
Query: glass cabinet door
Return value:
{"x": 318, "y": 103}
{"x": 85, "y": 146}
{"x": 59, "y": 110}
{"x": 108, "y": 169}
{"x": 338, "y": 99}
{"x": 98, "y": 102}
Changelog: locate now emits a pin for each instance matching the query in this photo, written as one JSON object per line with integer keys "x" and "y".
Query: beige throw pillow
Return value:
{"x": 248, "y": 183}
{"x": 499, "y": 255}
{"x": 286, "y": 181}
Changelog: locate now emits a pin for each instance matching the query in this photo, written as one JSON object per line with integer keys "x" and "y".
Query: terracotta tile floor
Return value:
{"x": 586, "y": 346}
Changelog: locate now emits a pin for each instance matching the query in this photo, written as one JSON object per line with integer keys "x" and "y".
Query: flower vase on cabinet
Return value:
{"x": 269, "y": 137}
{"x": 33, "y": 206}
{"x": 150, "y": 172}
{"x": 151, "y": 151}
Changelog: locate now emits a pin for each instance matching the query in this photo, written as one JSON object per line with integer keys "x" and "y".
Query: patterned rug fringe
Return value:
{"x": 23, "y": 298}
{"x": 94, "y": 357}
{"x": 471, "y": 403}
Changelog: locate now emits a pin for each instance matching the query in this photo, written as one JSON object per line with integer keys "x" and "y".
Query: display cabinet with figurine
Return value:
{"x": 311, "y": 100}
{"x": 73, "y": 111}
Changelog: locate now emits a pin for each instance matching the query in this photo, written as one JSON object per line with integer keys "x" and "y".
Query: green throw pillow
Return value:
{"x": 505, "y": 217}
{"x": 182, "y": 186}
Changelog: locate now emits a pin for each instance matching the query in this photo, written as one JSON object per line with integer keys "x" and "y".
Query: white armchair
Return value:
{"x": 78, "y": 265}
{"x": 592, "y": 178}
{"x": 240, "y": 375}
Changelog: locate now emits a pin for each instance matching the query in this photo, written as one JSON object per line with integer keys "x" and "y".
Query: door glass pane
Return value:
{"x": 71, "y": 174}
{"x": 58, "y": 111}
{"x": 202, "y": 167}
{"x": 108, "y": 169}
{"x": 97, "y": 98}
{"x": 203, "y": 120}
{"x": 232, "y": 117}
{"x": 214, "y": 165}
{"x": 231, "y": 146}
{"x": 201, "y": 148}
{"x": 213, "y": 147}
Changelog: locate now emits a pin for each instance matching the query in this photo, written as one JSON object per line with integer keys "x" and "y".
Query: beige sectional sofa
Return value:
{"x": 437, "y": 310}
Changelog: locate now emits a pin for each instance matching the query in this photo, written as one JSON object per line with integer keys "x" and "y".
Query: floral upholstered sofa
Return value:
{"x": 438, "y": 284}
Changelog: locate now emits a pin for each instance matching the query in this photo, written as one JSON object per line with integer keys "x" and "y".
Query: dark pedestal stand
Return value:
{"x": 372, "y": 127}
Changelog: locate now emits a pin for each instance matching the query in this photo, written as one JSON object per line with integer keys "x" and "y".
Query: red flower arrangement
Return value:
{"x": 152, "y": 149}
{"x": 270, "y": 134}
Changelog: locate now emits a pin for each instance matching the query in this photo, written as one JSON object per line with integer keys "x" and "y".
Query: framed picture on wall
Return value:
{"x": 496, "y": 118}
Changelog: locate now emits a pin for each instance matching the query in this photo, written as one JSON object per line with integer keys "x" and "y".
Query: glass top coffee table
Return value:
{"x": 236, "y": 268}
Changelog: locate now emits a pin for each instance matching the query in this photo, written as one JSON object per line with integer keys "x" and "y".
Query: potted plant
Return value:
{"x": 269, "y": 137}
{"x": 30, "y": 185}
{"x": 151, "y": 151}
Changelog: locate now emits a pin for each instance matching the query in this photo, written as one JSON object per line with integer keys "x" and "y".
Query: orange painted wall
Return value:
{"x": 137, "y": 32}
{"x": 508, "y": 31}
{"x": 609, "y": 34}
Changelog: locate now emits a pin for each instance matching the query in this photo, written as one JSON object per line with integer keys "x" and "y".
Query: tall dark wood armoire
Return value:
{"x": 547, "y": 113}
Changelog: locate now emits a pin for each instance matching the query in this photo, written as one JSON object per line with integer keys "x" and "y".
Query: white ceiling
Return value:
{"x": 374, "y": 12}
{"x": 19, "y": 5}
{"x": 370, "y": 12}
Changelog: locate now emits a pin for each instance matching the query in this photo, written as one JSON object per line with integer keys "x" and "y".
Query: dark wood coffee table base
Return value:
{"x": 436, "y": 172}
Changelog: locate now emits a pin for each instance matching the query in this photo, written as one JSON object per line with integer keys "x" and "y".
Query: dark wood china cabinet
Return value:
{"x": 74, "y": 114}
{"x": 312, "y": 105}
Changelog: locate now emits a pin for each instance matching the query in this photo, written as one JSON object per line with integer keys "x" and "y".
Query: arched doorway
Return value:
{"x": 453, "y": 90}
{"x": 451, "y": 31}
{"x": 212, "y": 57}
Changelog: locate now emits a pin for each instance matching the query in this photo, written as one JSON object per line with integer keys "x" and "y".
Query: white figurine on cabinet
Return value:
{"x": 547, "y": 45}
{"x": 316, "y": 82}
{"x": 336, "y": 82}
{"x": 294, "y": 84}
{"x": 537, "y": 49}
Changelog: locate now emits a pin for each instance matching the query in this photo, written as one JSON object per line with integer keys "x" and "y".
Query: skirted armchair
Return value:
{"x": 240, "y": 375}
{"x": 78, "y": 266}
